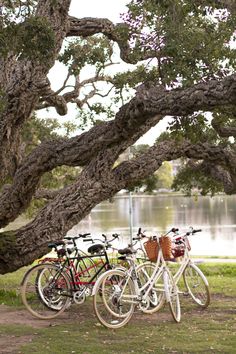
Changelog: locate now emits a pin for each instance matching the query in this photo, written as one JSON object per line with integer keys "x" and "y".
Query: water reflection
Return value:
{"x": 216, "y": 216}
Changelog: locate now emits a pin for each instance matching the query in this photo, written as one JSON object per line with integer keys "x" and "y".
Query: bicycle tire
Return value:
{"x": 45, "y": 291}
{"x": 110, "y": 308}
{"x": 197, "y": 285}
{"x": 172, "y": 295}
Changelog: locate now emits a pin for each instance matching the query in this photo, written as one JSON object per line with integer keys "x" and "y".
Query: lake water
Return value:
{"x": 215, "y": 216}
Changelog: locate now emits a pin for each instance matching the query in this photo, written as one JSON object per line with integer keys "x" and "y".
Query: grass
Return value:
{"x": 215, "y": 257}
{"x": 167, "y": 338}
{"x": 78, "y": 331}
{"x": 9, "y": 287}
{"x": 220, "y": 269}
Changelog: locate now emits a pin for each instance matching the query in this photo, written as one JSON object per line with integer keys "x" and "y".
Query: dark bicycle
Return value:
{"x": 49, "y": 288}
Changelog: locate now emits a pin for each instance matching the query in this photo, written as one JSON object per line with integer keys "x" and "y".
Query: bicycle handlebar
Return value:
{"x": 193, "y": 232}
{"x": 197, "y": 230}
{"x": 106, "y": 242}
{"x": 140, "y": 235}
{"x": 76, "y": 237}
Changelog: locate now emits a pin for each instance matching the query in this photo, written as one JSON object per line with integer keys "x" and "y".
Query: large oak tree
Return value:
{"x": 182, "y": 61}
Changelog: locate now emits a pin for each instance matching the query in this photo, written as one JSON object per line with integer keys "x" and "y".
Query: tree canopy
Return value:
{"x": 181, "y": 57}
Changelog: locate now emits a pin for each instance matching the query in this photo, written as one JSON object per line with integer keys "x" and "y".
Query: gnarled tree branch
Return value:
{"x": 132, "y": 121}
{"x": 89, "y": 26}
{"x": 223, "y": 131}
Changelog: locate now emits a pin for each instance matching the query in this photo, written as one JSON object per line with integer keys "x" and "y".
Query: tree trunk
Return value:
{"x": 24, "y": 83}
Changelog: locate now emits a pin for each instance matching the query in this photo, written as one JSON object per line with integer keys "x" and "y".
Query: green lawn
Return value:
{"x": 78, "y": 331}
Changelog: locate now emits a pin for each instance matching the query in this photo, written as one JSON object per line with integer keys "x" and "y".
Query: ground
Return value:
{"x": 77, "y": 331}
{"x": 21, "y": 330}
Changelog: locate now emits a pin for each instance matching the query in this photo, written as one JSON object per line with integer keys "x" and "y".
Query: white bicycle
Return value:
{"x": 118, "y": 292}
{"x": 195, "y": 281}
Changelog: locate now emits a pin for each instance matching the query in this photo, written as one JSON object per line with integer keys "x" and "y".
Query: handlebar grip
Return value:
{"x": 197, "y": 230}
{"x": 84, "y": 235}
{"x": 174, "y": 229}
{"x": 136, "y": 238}
{"x": 139, "y": 231}
{"x": 68, "y": 237}
{"x": 87, "y": 240}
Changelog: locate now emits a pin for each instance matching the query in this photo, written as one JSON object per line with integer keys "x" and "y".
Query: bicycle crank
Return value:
{"x": 144, "y": 304}
{"x": 79, "y": 297}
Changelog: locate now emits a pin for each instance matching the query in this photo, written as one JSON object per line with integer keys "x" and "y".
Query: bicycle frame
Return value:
{"x": 75, "y": 276}
{"x": 186, "y": 261}
{"x": 142, "y": 293}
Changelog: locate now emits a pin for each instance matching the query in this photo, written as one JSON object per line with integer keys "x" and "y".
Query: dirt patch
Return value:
{"x": 23, "y": 317}
{"x": 10, "y": 344}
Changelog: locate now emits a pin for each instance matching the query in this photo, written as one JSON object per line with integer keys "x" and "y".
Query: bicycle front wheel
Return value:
{"x": 197, "y": 285}
{"x": 172, "y": 295}
{"x": 114, "y": 299}
{"x": 45, "y": 291}
{"x": 156, "y": 294}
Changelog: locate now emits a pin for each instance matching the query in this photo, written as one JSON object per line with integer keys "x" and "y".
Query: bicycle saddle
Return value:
{"x": 126, "y": 251}
{"x": 95, "y": 248}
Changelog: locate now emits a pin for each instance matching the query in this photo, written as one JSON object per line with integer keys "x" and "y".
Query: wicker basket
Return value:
{"x": 166, "y": 247}
{"x": 151, "y": 248}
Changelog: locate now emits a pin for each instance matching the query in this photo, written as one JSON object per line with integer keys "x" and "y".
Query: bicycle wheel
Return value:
{"x": 172, "y": 295}
{"x": 45, "y": 291}
{"x": 113, "y": 299}
{"x": 86, "y": 269}
{"x": 156, "y": 295}
{"x": 197, "y": 285}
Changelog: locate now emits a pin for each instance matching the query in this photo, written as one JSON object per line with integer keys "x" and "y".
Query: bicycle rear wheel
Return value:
{"x": 172, "y": 295}
{"x": 156, "y": 295}
{"x": 45, "y": 291}
{"x": 86, "y": 267}
{"x": 113, "y": 299}
{"x": 197, "y": 285}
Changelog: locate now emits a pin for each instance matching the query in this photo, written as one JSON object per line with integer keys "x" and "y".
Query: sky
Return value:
{"x": 98, "y": 8}
{"x": 110, "y": 9}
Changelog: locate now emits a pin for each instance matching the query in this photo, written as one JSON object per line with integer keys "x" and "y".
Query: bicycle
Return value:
{"x": 48, "y": 289}
{"x": 195, "y": 281}
{"x": 118, "y": 292}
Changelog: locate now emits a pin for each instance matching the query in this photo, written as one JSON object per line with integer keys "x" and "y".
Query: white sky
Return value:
{"x": 110, "y": 9}
{"x": 98, "y": 8}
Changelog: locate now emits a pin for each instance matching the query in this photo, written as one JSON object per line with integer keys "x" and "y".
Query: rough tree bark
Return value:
{"x": 25, "y": 83}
